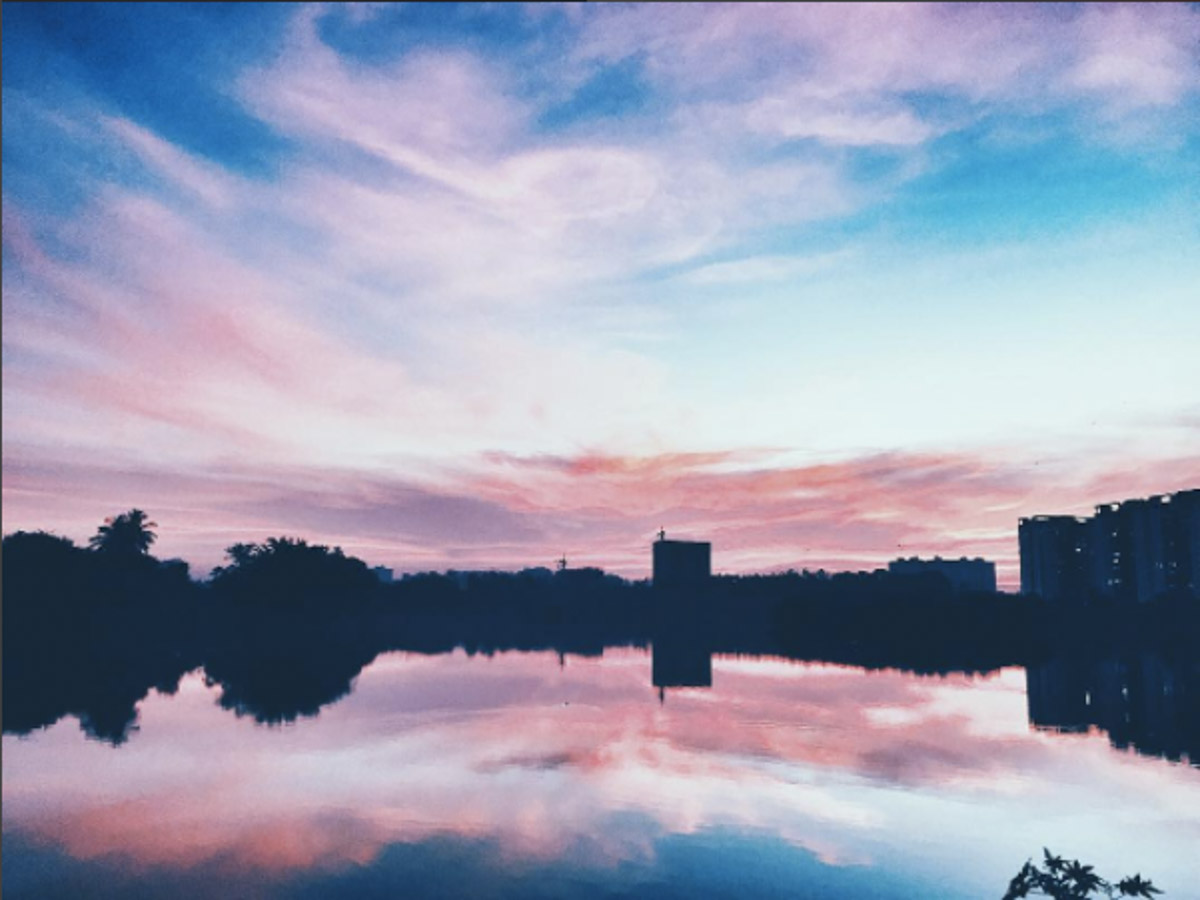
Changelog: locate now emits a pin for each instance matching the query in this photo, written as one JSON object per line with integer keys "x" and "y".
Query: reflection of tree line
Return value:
{"x": 285, "y": 628}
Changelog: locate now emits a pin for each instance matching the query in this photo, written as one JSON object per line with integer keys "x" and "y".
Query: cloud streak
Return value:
{"x": 559, "y": 284}
{"x": 508, "y": 511}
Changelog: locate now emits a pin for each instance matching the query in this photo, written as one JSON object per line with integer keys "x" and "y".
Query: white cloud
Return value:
{"x": 1137, "y": 56}
{"x": 837, "y": 122}
{"x": 763, "y": 268}
{"x": 207, "y": 181}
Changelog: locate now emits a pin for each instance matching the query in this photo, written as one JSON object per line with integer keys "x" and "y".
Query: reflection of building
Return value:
{"x": 680, "y": 660}
{"x": 681, "y": 563}
{"x": 1132, "y": 551}
{"x": 1144, "y": 701}
{"x": 963, "y": 574}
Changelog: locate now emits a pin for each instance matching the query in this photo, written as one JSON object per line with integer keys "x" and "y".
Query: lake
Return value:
{"x": 627, "y": 772}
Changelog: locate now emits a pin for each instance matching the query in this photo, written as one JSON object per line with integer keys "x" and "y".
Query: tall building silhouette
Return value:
{"x": 1185, "y": 539}
{"x": 1131, "y": 551}
{"x": 1107, "y": 556}
{"x": 1145, "y": 529}
{"x": 1052, "y": 556}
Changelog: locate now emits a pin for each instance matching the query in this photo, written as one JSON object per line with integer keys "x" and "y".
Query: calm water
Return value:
{"x": 526, "y": 774}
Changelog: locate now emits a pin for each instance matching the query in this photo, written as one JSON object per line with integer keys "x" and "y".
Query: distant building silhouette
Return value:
{"x": 681, "y": 563}
{"x": 384, "y": 574}
{"x": 1131, "y": 551}
{"x": 963, "y": 574}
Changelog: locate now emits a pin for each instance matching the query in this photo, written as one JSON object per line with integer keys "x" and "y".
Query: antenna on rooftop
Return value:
{"x": 562, "y": 563}
{"x": 662, "y": 534}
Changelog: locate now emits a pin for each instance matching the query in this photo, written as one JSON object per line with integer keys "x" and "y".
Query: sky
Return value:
{"x": 484, "y": 285}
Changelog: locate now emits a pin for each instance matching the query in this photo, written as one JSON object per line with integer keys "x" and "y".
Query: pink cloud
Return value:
{"x": 1137, "y": 55}
{"x": 509, "y": 511}
{"x": 541, "y": 216}
{"x": 176, "y": 328}
{"x": 428, "y": 107}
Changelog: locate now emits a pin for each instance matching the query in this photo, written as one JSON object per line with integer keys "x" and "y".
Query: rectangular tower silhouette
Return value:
{"x": 682, "y": 563}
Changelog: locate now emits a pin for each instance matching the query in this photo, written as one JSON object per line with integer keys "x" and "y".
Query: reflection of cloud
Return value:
{"x": 154, "y": 832}
{"x": 883, "y": 726}
{"x": 489, "y": 749}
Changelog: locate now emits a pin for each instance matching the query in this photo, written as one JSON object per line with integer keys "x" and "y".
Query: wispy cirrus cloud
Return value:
{"x": 574, "y": 271}
{"x": 1133, "y": 54}
{"x": 206, "y": 181}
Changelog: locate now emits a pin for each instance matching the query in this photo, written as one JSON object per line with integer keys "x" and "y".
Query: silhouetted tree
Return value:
{"x": 1071, "y": 880}
{"x": 291, "y": 572}
{"x": 241, "y": 554}
{"x": 125, "y": 535}
{"x": 38, "y": 562}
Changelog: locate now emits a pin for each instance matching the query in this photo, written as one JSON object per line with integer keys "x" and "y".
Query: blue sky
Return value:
{"x": 469, "y": 285}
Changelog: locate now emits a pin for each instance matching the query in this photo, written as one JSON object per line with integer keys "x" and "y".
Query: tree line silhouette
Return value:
{"x": 284, "y": 627}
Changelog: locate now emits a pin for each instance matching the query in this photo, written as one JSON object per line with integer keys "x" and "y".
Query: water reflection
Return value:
{"x": 277, "y": 675}
{"x": 551, "y": 772}
{"x": 1143, "y": 701}
{"x": 277, "y": 670}
{"x": 680, "y": 746}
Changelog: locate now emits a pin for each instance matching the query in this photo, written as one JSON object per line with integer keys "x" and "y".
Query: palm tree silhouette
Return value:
{"x": 128, "y": 534}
